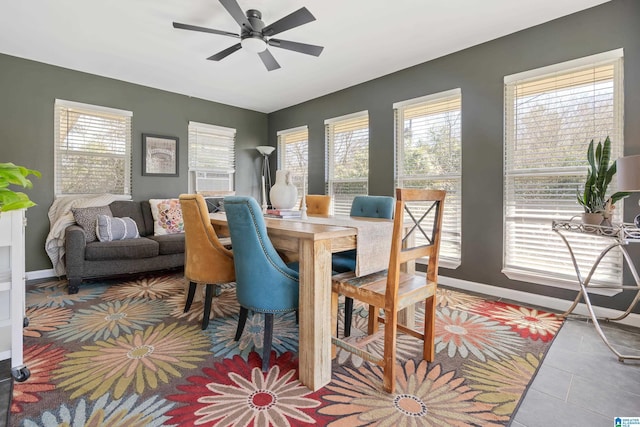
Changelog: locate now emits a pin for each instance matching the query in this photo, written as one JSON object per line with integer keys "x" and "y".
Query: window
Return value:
{"x": 428, "y": 155}
{"x": 347, "y": 142}
{"x": 293, "y": 155}
{"x": 211, "y": 158}
{"x": 92, "y": 149}
{"x": 551, "y": 115}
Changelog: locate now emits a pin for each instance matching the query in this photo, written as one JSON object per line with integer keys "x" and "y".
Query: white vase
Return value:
{"x": 283, "y": 194}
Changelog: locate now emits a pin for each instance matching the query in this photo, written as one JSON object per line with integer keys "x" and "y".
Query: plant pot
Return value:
{"x": 592, "y": 218}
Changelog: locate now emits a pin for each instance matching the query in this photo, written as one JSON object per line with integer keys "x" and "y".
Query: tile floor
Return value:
{"x": 580, "y": 382}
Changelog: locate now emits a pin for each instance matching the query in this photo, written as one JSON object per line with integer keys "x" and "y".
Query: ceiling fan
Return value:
{"x": 255, "y": 36}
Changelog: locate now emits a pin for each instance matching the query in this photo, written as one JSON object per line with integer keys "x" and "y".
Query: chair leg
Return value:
{"x": 348, "y": 314}
{"x": 208, "y": 296}
{"x": 268, "y": 337}
{"x": 190, "y": 295}
{"x": 242, "y": 319}
{"x": 390, "y": 335}
{"x": 428, "y": 351}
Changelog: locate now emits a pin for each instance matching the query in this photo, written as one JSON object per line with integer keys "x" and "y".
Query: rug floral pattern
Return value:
{"x": 125, "y": 354}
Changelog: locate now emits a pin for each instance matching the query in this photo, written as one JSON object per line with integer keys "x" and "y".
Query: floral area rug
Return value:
{"x": 125, "y": 354}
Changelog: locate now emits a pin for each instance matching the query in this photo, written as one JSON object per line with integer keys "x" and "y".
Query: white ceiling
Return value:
{"x": 134, "y": 41}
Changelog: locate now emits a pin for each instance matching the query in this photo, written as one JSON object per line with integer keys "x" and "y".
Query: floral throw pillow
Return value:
{"x": 167, "y": 216}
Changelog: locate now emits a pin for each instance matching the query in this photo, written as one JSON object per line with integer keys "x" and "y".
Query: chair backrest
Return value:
{"x": 424, "y": 210}
{"x": 318, "y": 204}
{"x": 372, "y": 206}
{"x": 206, "y": 259}
{"x": 264, "y": 283}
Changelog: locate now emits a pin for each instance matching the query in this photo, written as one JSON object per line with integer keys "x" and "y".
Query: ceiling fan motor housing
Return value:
{"x": 255, "y": 19}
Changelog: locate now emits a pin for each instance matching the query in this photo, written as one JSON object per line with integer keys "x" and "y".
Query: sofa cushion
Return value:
{"x": 122, "y": 249}
{"x": 111, "y": 228}
{"x": 167, "y": 216}
{"x": 87, "y": 218}
{"x": 170, "y": 243}
{"x": 133, "y": 210}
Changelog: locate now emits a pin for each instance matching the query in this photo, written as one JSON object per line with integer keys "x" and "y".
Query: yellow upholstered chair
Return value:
{"x": 318, "y": 204}
{"x": 207, "y": 261}
{"x": 394, "y": 290}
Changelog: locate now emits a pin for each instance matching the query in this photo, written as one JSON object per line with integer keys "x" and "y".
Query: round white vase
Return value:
{"x": 283, "y": 194}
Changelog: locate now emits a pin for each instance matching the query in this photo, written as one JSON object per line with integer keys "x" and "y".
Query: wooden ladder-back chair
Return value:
{"x": 394, "y": 289}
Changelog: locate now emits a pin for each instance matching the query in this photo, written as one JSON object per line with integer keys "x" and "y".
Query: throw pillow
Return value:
{"x": 111, "y": 228}
{"x": 87, "y": 218}
{"x": 167, "y": 216}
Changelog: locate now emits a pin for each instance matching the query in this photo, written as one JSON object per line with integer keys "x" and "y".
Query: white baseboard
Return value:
{"x": 41, "y": 274}
{"x": 527, "y": 298}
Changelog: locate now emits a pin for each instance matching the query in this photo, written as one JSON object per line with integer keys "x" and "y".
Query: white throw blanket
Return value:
{"x": 60, "y": 217}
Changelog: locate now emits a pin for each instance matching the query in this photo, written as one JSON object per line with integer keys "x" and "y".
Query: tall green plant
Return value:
{"x": 593, "y": 198}
{"x": 11, "y": 174}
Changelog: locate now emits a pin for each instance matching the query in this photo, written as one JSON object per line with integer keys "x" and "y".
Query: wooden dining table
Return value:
{"x": 312, "y": 245}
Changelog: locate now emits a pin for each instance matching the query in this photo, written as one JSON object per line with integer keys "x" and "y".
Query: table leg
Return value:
{"x": 315, "y": 313}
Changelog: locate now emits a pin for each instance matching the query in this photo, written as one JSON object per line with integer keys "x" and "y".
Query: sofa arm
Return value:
{"x": 75, "y": 243}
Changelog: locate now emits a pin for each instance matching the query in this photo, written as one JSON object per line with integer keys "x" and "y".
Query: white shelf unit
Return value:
{"x": 12, "y": 290}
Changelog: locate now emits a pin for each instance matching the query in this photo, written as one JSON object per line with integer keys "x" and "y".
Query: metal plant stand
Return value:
{"x": 620, "y": 235}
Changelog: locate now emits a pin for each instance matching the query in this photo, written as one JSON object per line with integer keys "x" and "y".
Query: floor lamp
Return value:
{"x": 266, "y": 151}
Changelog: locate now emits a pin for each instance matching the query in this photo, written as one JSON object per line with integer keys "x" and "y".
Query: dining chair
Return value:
{"x": 318, "y": 204}
{"x": 393, "y": 290}
{"x": 363, "y": 206}
{"x": 264, "y": 283}
{"x": 207, "y": 261}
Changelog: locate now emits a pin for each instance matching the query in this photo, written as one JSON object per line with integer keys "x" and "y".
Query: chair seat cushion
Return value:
{"x": 169, "y": 243}
{"x": 122, "y": 249}
{"x": 344, "y": 261}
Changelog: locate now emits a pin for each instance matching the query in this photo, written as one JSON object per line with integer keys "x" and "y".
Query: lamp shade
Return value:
{"x": 265, "y": 150}
{"x": 628, "y": 172}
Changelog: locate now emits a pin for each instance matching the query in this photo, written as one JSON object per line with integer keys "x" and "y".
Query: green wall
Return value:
{"x": 479, "y": 72}
{"x": 28, "y": 90}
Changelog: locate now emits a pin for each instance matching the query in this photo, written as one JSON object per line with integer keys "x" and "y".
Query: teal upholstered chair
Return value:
{"x": 264, "y": 283}
{"x": 370, "y": 207}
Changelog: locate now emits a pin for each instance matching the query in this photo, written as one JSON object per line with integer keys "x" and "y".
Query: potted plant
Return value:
{"x": 11, "y": 174}
{"x": 597, "y": 206}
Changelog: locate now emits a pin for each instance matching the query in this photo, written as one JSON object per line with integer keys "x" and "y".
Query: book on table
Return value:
{"x": 284, "y": 213}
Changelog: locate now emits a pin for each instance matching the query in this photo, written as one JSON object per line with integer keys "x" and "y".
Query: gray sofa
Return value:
{"x": 109, "y": 259}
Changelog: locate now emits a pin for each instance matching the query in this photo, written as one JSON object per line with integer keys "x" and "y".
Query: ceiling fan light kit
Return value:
{"x": 255, "y": 37}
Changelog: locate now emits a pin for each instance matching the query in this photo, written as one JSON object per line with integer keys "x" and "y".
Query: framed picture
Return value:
{"x": 159, "y": 155}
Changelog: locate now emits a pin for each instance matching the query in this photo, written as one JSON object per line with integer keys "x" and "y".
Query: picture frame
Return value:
{"x": 159, "y": 155}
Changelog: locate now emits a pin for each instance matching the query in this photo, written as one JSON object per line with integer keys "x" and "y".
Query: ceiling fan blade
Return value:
{"x": 237, "y": 14}
{"x": 309, "y": 49}
{"x": 295, "y": 19}
{"x": 224, "y": 53}
{"x": 268, "y": 60}
{"x": 203, "y": 29}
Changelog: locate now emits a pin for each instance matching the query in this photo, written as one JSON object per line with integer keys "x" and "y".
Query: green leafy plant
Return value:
{"x": 11, "y": 174}
{"x": 593, "y": 198}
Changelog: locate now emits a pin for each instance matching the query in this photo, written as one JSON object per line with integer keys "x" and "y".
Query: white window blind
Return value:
{"x": 211, "y": 158}
{"x": 92, "y": 149}
{"x": 429, "y": 155}
{"x": 347, "y": 142}
{"x": 550, "y": 118}
{"x": 293, "y": 155}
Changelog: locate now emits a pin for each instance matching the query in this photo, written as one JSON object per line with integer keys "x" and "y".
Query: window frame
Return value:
{"x": 451, "y": 237}
{"x": 64, "y": 107}
{"x": 299, "y": 135}
{"x": 223, "y": 133}
{"x": 339, "y": 207}
{"x": 612, "y": 272}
